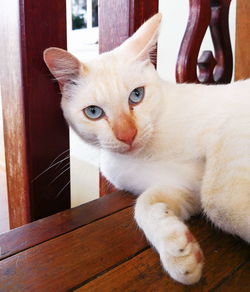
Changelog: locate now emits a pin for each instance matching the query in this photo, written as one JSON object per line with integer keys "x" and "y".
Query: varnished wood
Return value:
{"x": 242, "y": 46}
{"x": 107, "y": 252}
{"x": 34, "y": 129}
{"x": 13, "y": 114}
{"x": 213, "y": 69}
{"x": 114, "y": 29}
{"x": 143, "y": 273}
{"x": 239, "y": 280}
{"x": 41, "y": 230}
{"x": 83, "y": 253}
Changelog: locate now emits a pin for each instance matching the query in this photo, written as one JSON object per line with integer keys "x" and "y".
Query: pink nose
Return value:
{"x": 127, "y": 136}
{"x": 124, "y": 129}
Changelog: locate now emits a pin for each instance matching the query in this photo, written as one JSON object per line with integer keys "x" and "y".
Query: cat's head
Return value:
{"x": 113, "y": 100}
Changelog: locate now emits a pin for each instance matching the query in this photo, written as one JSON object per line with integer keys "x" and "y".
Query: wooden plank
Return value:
{"x": 223, "y": 254}
{"x": 34, "y": 128}
{"x": 71, "y": 259}
{"x": 41, "y": 230}
{"x": 141, "y": 273}
{"x": 242, "y": 56}
{"x": 239, "y": 281}
{"x": 129, "y": 15}
{"x": 113, "y": 27}
{"x": 139, "y": 12}
{"x": 43, "y": 24}
{"x": 13, "y": 114}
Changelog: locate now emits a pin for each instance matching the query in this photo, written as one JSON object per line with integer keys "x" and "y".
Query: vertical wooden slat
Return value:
{"x": 117, "y": 21}
{"x": 34, "y": 129}
{"x": 120, "y": 19}
{"x": 242, "y": 50}
{"x": 13, "y": 114}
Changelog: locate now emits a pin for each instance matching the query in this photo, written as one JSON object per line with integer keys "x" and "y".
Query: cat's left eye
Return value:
{"x": 136, "y": 96}
{"x": 93, "y": 112}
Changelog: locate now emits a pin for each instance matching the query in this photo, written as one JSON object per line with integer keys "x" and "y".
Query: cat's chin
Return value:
{"x": 126, "y": 149}
{"x": 122, "y": 150}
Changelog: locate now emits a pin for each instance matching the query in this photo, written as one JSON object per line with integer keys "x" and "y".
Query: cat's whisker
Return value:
{"x": 62, "y": 160}
{"x": 51, "y": 166}
{"x": 66, "y": 165}
{"x": 59, "y": 193}
{"x": 60, "y": 175}
{"x": 59, "y": 156}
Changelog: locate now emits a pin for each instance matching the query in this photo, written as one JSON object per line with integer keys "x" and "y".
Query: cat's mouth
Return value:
{"x": 137, "y": 144}
{"x": 121, "y": 148}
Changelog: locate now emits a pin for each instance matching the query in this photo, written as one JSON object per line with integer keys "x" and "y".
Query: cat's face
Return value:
{"x": 113, "y": 106}
{"x": 112, "y": 101}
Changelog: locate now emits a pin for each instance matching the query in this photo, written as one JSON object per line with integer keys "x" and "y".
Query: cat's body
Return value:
{"x": 176, "y": 152}
{"x": 182, "y": 148}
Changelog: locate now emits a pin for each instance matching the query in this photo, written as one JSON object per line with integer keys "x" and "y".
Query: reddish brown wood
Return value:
{"x": 140, "y": 11}
{"x": 223, "y": 256}
{"x": 110, "y": 253}
{"x": 143, "y": 273}
{"x": 13, "y": 114}
{"x": 239, "y": 280}
{"x": 35, "y": 131}
{"x": 218, "y": 69}
{"x": 41, "y": 230}
{"x": 114, "y": 29}
{"x": 242, "y": 47}
{"x": 65, "y": 262}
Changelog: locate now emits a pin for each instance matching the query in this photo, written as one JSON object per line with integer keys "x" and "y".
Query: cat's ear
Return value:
{"x": 143, "y": 42}
{"x": 64, "y": 66}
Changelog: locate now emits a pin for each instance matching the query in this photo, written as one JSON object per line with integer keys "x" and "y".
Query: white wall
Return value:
{"x": 84, "y": 160}
{"x": 175, "y": 16}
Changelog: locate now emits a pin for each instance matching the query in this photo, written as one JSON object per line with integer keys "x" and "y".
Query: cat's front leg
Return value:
{"x": 160, "y": 212}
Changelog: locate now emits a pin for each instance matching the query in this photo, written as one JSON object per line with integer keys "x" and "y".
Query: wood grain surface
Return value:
{"x": 97, "y": 247}
{"x": 34, "y": 128}
{"x": 71, "y": 259}
{"x": 41, "y": 230}
{"x": 242, "y": 47}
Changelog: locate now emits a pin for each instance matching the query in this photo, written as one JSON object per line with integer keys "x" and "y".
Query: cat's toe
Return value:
{"x": 178, "y": 242}
{"x": 185, "y": 269}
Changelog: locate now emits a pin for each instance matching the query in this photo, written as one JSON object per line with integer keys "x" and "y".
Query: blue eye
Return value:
{"x": 136, "y": 95}
{"x": 93, "y": 112}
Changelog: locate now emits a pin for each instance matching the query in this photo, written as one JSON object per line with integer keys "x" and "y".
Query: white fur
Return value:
{"x": 185, "y": 154}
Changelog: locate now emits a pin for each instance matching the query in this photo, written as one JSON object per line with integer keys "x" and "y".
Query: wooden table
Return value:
{"x": 98, "y": 247}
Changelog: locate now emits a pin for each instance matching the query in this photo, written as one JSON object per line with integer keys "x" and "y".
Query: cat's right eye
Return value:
{"x": 93, "y": 112}
{"x": 136, "y": 96}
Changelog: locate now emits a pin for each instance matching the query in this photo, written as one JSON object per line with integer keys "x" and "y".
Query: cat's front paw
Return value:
{"x": 181, "y": 255}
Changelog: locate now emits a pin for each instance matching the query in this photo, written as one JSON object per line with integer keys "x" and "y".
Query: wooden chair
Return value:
{"x": 97, "y": 246}
{"x": 35, "y": 131}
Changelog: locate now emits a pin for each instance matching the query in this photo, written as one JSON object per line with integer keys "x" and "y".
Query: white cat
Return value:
{"x": 184, "y": 148}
